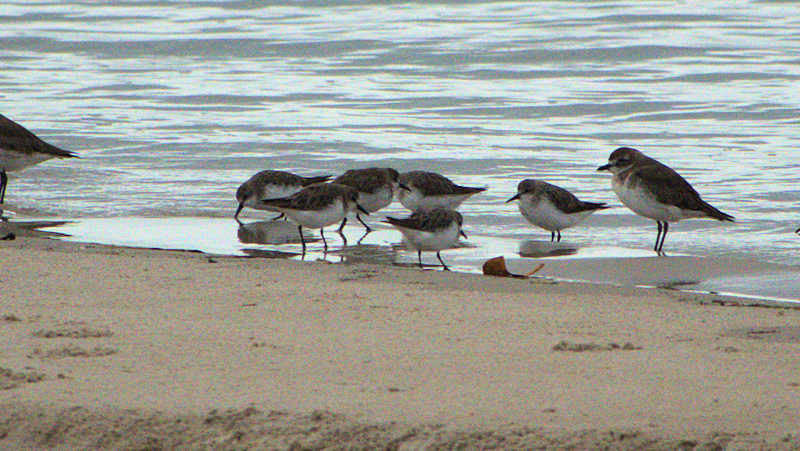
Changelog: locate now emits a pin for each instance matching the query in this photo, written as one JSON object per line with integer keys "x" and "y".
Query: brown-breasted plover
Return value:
{"x": 271, "y": 184}
{"x": 317, "y": 206}
{"x": 376, "y": 189}
{"x": 429, "y": 189}
{"x": 19, "y": 148}
{"x": 654, "y": 190}
{"x": 431, "y": 229}
{"x": 551, "y": 207}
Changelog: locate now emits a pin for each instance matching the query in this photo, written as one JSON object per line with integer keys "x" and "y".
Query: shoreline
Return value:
{"x": 451, "y": 357}
{"x": 565, "y": 262}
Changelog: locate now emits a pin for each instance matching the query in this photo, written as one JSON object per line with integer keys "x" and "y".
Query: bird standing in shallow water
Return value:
{"x": 317, "y": 206}
{"x": 19, "y": 148}
{"x": 428, "y": 189}
{"x": 431, "y": 229}
{"x": 654, "y": 190}
{"x": 271, "y": 184}
{"x": 551, "y": 207}
{"x": 376, "y": 189}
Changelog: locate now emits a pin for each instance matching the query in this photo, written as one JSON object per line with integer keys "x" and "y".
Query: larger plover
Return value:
{"x": 654, "y": 190}
{"x": 317, "y": 206}
{"x": 376, "y": 188}
{"x": 271, "y": 184}
{"x": 19, "y": 148}
{"x": 429, "y": 189}
{"x": 551, "y": 207}
{"x": 431, "y": 229}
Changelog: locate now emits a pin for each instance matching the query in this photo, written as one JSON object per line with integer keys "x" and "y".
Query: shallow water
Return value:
{"x": 172, "y": 104}
{"x": 553, "y": 261}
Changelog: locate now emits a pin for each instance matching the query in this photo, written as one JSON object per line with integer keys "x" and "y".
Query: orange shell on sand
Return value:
{"x": 497, "y": 267}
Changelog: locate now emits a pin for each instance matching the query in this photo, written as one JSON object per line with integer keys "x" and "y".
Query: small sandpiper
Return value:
{"x": 429, "y": 189}
{"x": 19, "y": 148}
{"x": 271, "y": 184}
{"x": 376, "y": 189}
{"x": 654, "y": 190}
{"x": 431, "y": 229}
{"x": 317, "y": 206}
{"x": 551, "y": 207}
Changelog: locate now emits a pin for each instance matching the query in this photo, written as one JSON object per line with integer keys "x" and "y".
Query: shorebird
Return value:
{"x": 376, "y": 188}
{"x": 19, "y": 148}
{"x": 317, "y": 206}
{"x": 654, "y": 190}
{"x": 429, "y": 189}
{"x": 551, "y": 207}
{"x": 271, "y": 184}
{"x": 430, "y": 229}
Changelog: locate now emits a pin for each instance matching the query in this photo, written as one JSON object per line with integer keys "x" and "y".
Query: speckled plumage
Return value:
{"x": 431, "y": 229}
{"x": 271, "y": 184}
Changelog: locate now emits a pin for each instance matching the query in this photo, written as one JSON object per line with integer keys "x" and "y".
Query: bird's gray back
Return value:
{"x": 17, "y": 138}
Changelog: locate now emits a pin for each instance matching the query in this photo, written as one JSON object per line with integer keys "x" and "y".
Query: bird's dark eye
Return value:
{"x": 623, "y": 161}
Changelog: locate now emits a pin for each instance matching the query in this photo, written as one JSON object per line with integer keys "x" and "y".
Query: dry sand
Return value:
{"x": 116, "y": 348}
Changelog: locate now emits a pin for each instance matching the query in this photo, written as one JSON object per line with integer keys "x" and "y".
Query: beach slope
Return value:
{"x": 128, "y": 348}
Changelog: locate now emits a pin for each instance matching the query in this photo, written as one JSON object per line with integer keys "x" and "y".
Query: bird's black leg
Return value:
{"x": 369, "y": 229}
{"x": 663, "y": 237}
{"x": 341, "y": 227}
{"x": 552, "y": 236}
{"x": 419, "y": 258}
{"x": 278, "y": 217}
{"x": 559, "y": 236}
{"x": 442, "y": 261}
{"x": 658, "y": 237}
{"x": 302, "y": 240}
{"x": 324, "y": 242}
{"x": 3, "y": 183}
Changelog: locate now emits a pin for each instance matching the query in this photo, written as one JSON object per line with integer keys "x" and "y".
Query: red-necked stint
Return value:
{"x": 429, "y": 189}
{"x": 551, "y": 207}
{"x": 431, "y": 229}
{"x": 271, "y": 184}
{"x": 317, "y": 206}
{"x": 376, "y": 188}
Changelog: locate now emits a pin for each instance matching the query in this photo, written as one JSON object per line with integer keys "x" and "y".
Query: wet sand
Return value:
{"x": 114, "y": 347}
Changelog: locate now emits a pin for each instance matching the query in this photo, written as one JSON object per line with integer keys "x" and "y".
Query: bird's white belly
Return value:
{"x": 432, "y": 241}
{"x": 373, "y": 202}
{"x": 11, "y": 160}
{"x": 545, "y": 215}
{"x": 271, "y": 191}
{"x": 414, "y": 200}
{"x": 644, "y": 204}
{"x": 317, "y": 219}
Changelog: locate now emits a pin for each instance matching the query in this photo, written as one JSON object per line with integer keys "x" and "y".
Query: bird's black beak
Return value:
{"x": 361, "y": 209}
{"x": 402, "y": 186}
{"x": 516, "y": 196}
{"x": 238, "y": 210}
{"x": 604, "y": 167}
{"x": 463, "y": 234}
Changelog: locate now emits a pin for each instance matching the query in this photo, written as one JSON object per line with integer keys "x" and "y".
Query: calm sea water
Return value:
{"x": 172, "y": 104}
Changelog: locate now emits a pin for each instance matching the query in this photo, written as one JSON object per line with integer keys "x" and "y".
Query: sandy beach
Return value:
{"x": 122, "y": 348}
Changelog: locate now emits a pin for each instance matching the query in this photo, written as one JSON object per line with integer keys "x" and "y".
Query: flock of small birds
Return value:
{"x": 646, "y": 186}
